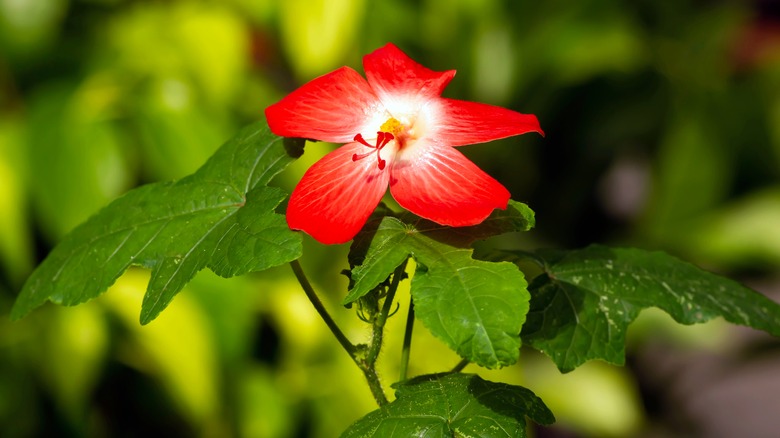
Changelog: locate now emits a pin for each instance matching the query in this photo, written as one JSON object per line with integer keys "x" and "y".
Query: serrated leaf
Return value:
{"x": 583, "y": 304}
{"x": 447, "y": 405}
{"x": 476, "y": 307}
{"x": 221, "y": 217}
{"x": 382, "y": 245}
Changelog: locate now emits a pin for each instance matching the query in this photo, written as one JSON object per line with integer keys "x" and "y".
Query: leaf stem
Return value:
{"x": 459, "y": 367}
{"x": 533, "y": 257}
{"x": 407, "y": 347}
{"x": 315, "y": 301}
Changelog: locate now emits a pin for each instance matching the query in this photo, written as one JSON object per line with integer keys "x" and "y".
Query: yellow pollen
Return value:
{"x": 392, "y": 126}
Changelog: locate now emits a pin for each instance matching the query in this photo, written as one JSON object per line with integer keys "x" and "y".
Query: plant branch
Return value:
{"x": 315, "y": 301}
{"x": 364, "y": 356}
{"x": 381, "y": 318}
{"x": 368, "y": 365}
{"x": 375, "y": 385}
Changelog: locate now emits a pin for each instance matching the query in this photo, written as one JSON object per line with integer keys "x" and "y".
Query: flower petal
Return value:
{"x": 457, "y": 122}
{"x": 337, "y": 195}
{"x": 402, "y": 84}
{"x": 333, "y": 107}
{"x": 442, "y": 185}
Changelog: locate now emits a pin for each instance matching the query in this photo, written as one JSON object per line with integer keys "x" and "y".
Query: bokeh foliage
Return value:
{"x": 662, "y": 131}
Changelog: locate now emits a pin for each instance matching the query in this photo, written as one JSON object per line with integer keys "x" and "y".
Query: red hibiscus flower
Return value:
{"x": 398, "y": 131}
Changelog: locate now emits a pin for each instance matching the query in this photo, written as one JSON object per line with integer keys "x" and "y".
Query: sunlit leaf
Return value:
{"x": 204, "y": 44}
{"x": 221, "y": 217}
{"x": 447, "y": 405}
{"x": 178, "y": 349}
{"x": 595, "y": 400}
{"x": 213, "y": 42}
{"x": 743, "y": 233}
{"x": 78, "y": 342}
{"x": 317, "y": 34}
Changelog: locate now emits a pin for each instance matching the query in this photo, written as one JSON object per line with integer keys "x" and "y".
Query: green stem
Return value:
{"x": 315, "y": 301}
{"x": 364, "y": 358}
{"x": 381, "y": 318}
{"x": 369, "y": 365}
{"x": 538, "y": 261}
{"x": 407, "y": 347}
{"x": 375, "y": 385}
{"x": 459, "y": 367}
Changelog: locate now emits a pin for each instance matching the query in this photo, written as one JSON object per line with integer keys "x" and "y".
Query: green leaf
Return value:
{"x": 475, "y": 307}
{"x": 375, "y": 251}
{"x": 221, "y": 217}
{"x": 582, "y": 305}
{"x": 447, "y": 405}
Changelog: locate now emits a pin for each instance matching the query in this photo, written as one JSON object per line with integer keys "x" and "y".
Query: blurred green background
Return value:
{"x": 663, "y": 131}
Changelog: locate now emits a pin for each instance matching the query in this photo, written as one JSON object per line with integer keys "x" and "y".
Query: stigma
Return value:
{"x": 386, "y": 133}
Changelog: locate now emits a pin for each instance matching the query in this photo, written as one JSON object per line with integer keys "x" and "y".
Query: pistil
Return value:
{"x": 382, "y": 138}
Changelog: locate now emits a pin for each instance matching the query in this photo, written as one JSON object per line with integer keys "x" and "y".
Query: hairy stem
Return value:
{"x": 407, "y": 347}
{"x": 375, "y": 385}
{"x": 368, "y": 365}
{"x": 365, "y": 357}
{"x": 315, "y": 301}
{"x": 381, "y": 318}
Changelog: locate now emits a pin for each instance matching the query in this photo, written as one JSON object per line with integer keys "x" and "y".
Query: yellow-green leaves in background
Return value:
{"x": 205, "y": 45}
{"x": 76, "y": 153}
{"x": 15, "y": 238}
{"x": 28, "y": 26}
{"x": 317, "y": 35}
